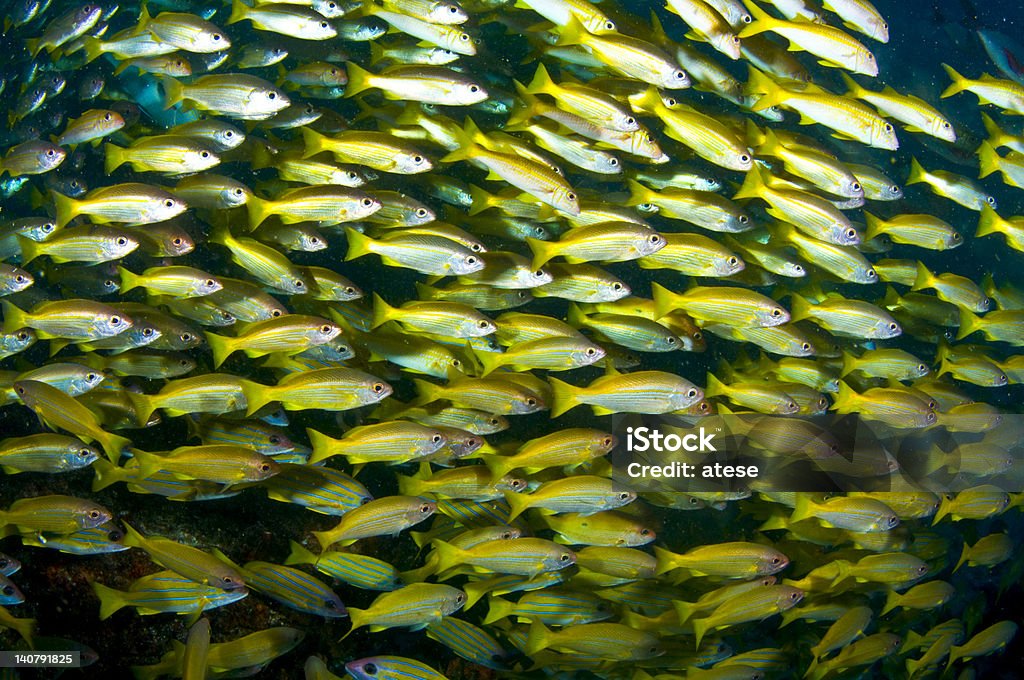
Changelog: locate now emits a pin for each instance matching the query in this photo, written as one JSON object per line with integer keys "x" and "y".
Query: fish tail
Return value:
{"x": 174, "y": 92}
{"x": 714, "y": 388}
{"x": 113, "y": 445}
{"x": 358, "y": 244}
{"x": 322, "y": 445}
{"x": 498, "y": 609}
{"x": 853, "y": 89}
{"x": 753, "y": 185}
{"x": 844, "y": 398}
{"x": 30, "y": 249}
{"x": 969, "y": 323}
{"x": 149, "y": 464}
{"x": 664, "y": 300}
{"x": 575, "y": 316}
{"x": 772, "y": 94}
{"x": 917, "y": 172}
{"x": 964, "y": 554}
{"x": 762, "y": 22}
{"x": 988, "y": 159}
{"x": 525, "y": 106}
{"x": 67, "y": 208}
{"x": 313, "y": 141}
{"x": 448, "y": 555}
{"x": 480, "y": 198}
{"x": 924, "y": 278}
{"x": 802, "y": 510}
{"x": 427, "y": 391}
{"x": 638, "y": 193}
{"x": 799, "y": 307}
{"x": 466, "y": 138}
{"x": 325, "y": 539}
{"x": 256, "y": 208}
{"x": 407, "y": 486}
{"x": 849, "y": 364}
{"x": 542, "y": 82}
{"x": 423, "y": 573}
{"x": 875, "y": 226}
{"x": 700, "y": 627}
{"x": 382, "y": 312}
{"x": 959, "y": 82}
{"x": 128, "y": 280}
{"x": 110, "y": 600}
{"x": 572, "y": 33}
{"x": 563, "y": 397}
{"x": 538, "y": 638}
{"x": 474, "y": 591}
{"x": 376, "y": 53}
{"x": 892, "y": 600}
{"x": 143, "y": 406}
{"x": 221, "y": 347}
{"x": 256, "y": 396}
{"x": 489, "y": 361}
{"x": 684, "y": 610}
{"x": 518, "y": 503}
{"x": 299, "y": 555}
{"x": 357, "y": 618}
{"x": 93, "y": 49}
{"x": 995, "y": 133}
{"x": 359, "y": 79}
{"x": 106, "y": 474}
{"x": 239, "y": 12}
{"x": 666, "y": 560}
{"x": 542, "y": 251}
{"x": 989, "y": 223}
{"x": 115, "y": 157}
{"x": 14, "y": 318}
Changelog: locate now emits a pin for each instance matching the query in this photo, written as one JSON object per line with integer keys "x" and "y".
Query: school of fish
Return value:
{"x": 367, "y": 259}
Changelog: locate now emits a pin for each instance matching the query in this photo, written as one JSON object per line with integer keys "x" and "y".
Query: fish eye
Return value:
{"x": 265, "y": 467}
{"x": 147, "y": 331}
{"x": 697, "y": 335}
{"x": 474, "y": 88}
{"x": 121, "y": 240}
{"x": 470, "y": 260}
{"x": 624, "y": 495}
{"x": 276, "y": 313}
{"x": 564, "y": 557}
{"x": 894, "y": 326}
{"x": 776, "y": 560}
{"x": 613, "y": 161}
{"x": 871, "y": 274}
{"x": 460, "y": 598}
{"x": 204, "y": 154}
{"x": 330, "y": 604}
{"x": 324, "y": 24}
{"x": 51, "y": 153}
{"x": 421, "y": 212}
{"x": 186, "y": 337}
{"x": 169, "y": 203}
{"x": 794, "y": 596}
{"x": 733, "y": 261}
{"x": 107, "y": 116}
{"x": 115, "y": 321}
{"x": 645, "y": 532}
{"x": 805, "y": 346}
{"x": 94, "y": 514}
{"x": 176, "y": 241}
{"x": 23, "y": 336}
{"x": 378, "y": 387}
{"x": 464, "y": 37}
{"x": 90, "y": 377}
{"x": 616, "y": 286}
{"x": 679, "y": 75}
{"x": 571, "y": 196}
{"x": 229, "y": 134}
{"x": 530, "y": 401}
{"x": 957, "y": 237}
{"x": 887, "y": 127}
{"x": 930, "y": 417}
{"x": 274, "y": 439}
{"x": 591, "y": 351}
{"x": 691, "y": 392}
{"x": 271, "y": 95}
{"x": 367, "y": 202}
{"x": 990, "y": 200}
{"x": 670, "y": 340}
{"x": 8, "y": 590}
{"x": 325, "y": 329}
{"x": 776, "y": 312}
{"x": 648, "y": 138}
{"x": 417, "y": 159}
{"x": 1001, "y": 380}
{"x": 895, "y": 189}
{"x": 216, "y": 37}
{"x": 743, "y": 219}
{"x": 744, "y": 158}
{"x": 19, "y": 390}
{"x": 20, "y": 278}
{"x": 609, "y": 26}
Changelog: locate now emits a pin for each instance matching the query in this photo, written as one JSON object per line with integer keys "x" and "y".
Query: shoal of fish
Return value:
{"x": 171, "y": 172}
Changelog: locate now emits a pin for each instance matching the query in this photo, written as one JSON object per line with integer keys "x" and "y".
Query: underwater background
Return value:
{"x": 952, "y": 480}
